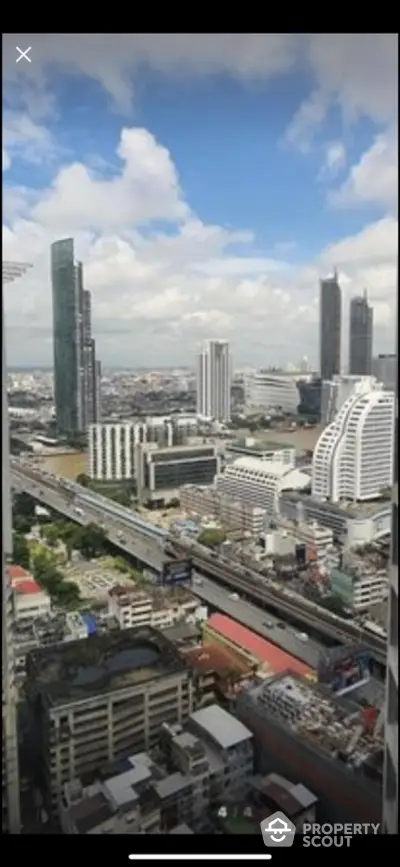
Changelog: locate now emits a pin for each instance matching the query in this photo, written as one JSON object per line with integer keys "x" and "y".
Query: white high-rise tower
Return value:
{"x": 214, "y": 381}
{"x": 10, "y": 774}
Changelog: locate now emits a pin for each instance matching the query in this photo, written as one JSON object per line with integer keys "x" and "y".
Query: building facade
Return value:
{"x": 384, "y": 367}
{"x": 336, "y": 391}
{"x": 268, "y": 391}
{"x": 112, "y": 447}
{"x": 353, "y": 458}
{"x": 234, "y": 514}
{"x": 168, "y": 791}
{"x": 213, "y": 385}
{"x": 330, "y": 327}
{"x": 360, "y": 337}
{"x": 258, "y": 482}
{"x": 10, "y": 770}
{"x": 391, "y": 774}
{"x": 76, "y": 371}
{"x": 161, "y": 472}
{"x": 135, "y": 682}
{"x": 357, "y": 590}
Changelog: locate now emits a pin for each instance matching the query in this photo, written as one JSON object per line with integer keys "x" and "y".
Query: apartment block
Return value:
{"x": 133, "y": 607}
{"x": 99, "y": 700}
{"x": 233, "y": 514}
{"x": 169, "y": 787}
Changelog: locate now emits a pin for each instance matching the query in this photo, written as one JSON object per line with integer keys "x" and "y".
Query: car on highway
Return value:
{"x": 280, "y": 624}
{"x": 301, "y": 636}
{"x": 234, "y": 597}
{"x": 269, "y": 624}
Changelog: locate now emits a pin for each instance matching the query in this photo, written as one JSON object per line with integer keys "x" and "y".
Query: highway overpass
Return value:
{"x": 151, "y": 545}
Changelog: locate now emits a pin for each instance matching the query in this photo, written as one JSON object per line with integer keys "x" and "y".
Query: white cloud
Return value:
{"x": 374, "y": 179}
{"x": 6, "y": 160}
{"x": 334, "y": 160}
{"x": 25, "y": 140}
{"x": 357, "y": 71}
{"x": 155, "y": 294}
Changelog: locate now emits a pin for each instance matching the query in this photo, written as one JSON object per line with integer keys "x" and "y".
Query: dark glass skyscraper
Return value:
{"x": 65, "y": 337}
{"x": 330, "y": 327}
{"x": 360, "y": 338}
{"x": 75, "y": 369}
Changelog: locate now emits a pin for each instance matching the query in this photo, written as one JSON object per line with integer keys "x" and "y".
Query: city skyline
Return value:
{"x": 208, "y": 188}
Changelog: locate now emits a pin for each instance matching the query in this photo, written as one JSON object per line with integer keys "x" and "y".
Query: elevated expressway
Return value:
{"x": 153, "y": 545}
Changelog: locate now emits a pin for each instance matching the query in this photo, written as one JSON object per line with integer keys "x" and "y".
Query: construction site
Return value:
{"x": 329, "y": 744}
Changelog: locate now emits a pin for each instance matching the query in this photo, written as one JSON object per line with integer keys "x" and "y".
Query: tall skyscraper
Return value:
{"x": 360, "y": 337}
{"x": 330, "y": 327}
{"x": 10, "y": 771}
{"x": 75, "y": 367}
{"x": 391, "y": 768}
{"x": 214, "y": 381}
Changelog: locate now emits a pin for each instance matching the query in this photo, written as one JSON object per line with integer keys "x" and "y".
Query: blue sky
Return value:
{"x": 208, "y": 185}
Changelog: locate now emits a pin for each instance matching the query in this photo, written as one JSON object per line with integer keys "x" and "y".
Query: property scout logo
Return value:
{"x": 278, "y": 830}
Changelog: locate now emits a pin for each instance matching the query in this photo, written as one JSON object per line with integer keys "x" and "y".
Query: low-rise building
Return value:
{"x": 358, "y": 585}
{"x": 275, "y": 792}
{"x": 131, "y": 607}
{"x": 218, "y": 672}
{"x": 204, "y": 500}
{"x": 260, "y": 654}
{"x": 353, "y": 523}
{"x": 167, "y": 790}
{"x": 29, "y": 599}
{"x": 263, "y": 450}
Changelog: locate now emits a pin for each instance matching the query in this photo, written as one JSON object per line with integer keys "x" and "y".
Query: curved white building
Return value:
{"x": 272, "y": 391}
{"x": 353, "y": 458}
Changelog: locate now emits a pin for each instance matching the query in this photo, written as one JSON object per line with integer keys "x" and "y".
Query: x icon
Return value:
{"x": 23, "y": 55}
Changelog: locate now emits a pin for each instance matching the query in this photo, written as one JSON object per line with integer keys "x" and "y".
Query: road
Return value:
{"x": 148, "y": 545}
{"x": 145, "y": 551}
{"x": 255, "y": 619}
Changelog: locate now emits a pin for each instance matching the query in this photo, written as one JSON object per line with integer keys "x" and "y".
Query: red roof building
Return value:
{"x": 17, "y": 573}
{"x": 28, "y": 587}
{"x": 254, "y": 648}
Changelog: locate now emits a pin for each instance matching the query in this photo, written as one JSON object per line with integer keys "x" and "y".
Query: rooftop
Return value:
{"x": 335, "y": 727}
{"x": 210, "y": 657}
{"x": 103, "y": 663}
{"x": 260, "y": 446}
{"x": 222, "y": 727}
{"x": 263, "y": 651}
{"x": 16, "y": 572}
{"x": 347, "y": 509}
{"x": 91, "y": 812}
{"x": 28, "y": 587}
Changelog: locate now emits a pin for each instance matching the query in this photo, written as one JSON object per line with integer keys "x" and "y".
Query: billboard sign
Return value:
{"x": 177, "y": 572}
{"x": 347, "y": 670}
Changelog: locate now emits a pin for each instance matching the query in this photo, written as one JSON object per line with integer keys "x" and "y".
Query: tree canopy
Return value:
{"x": 212, "y": 537}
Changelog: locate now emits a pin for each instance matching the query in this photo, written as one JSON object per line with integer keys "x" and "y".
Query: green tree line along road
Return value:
{"x": 41, "y": 561}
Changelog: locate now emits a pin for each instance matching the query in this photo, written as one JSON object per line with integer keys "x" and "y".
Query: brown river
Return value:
{"x": 68, "y": 465}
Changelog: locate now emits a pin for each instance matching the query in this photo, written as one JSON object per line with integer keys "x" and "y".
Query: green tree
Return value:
{"x": 24, "y": 505}
{"x": 20, "y": 551}
{"x": 212, "y": 537}
{"x": 123, "y": 497}
{"x": 22, "y": 524}
{"x": 83, "y": 479}
{"x": 91, "y": 541}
